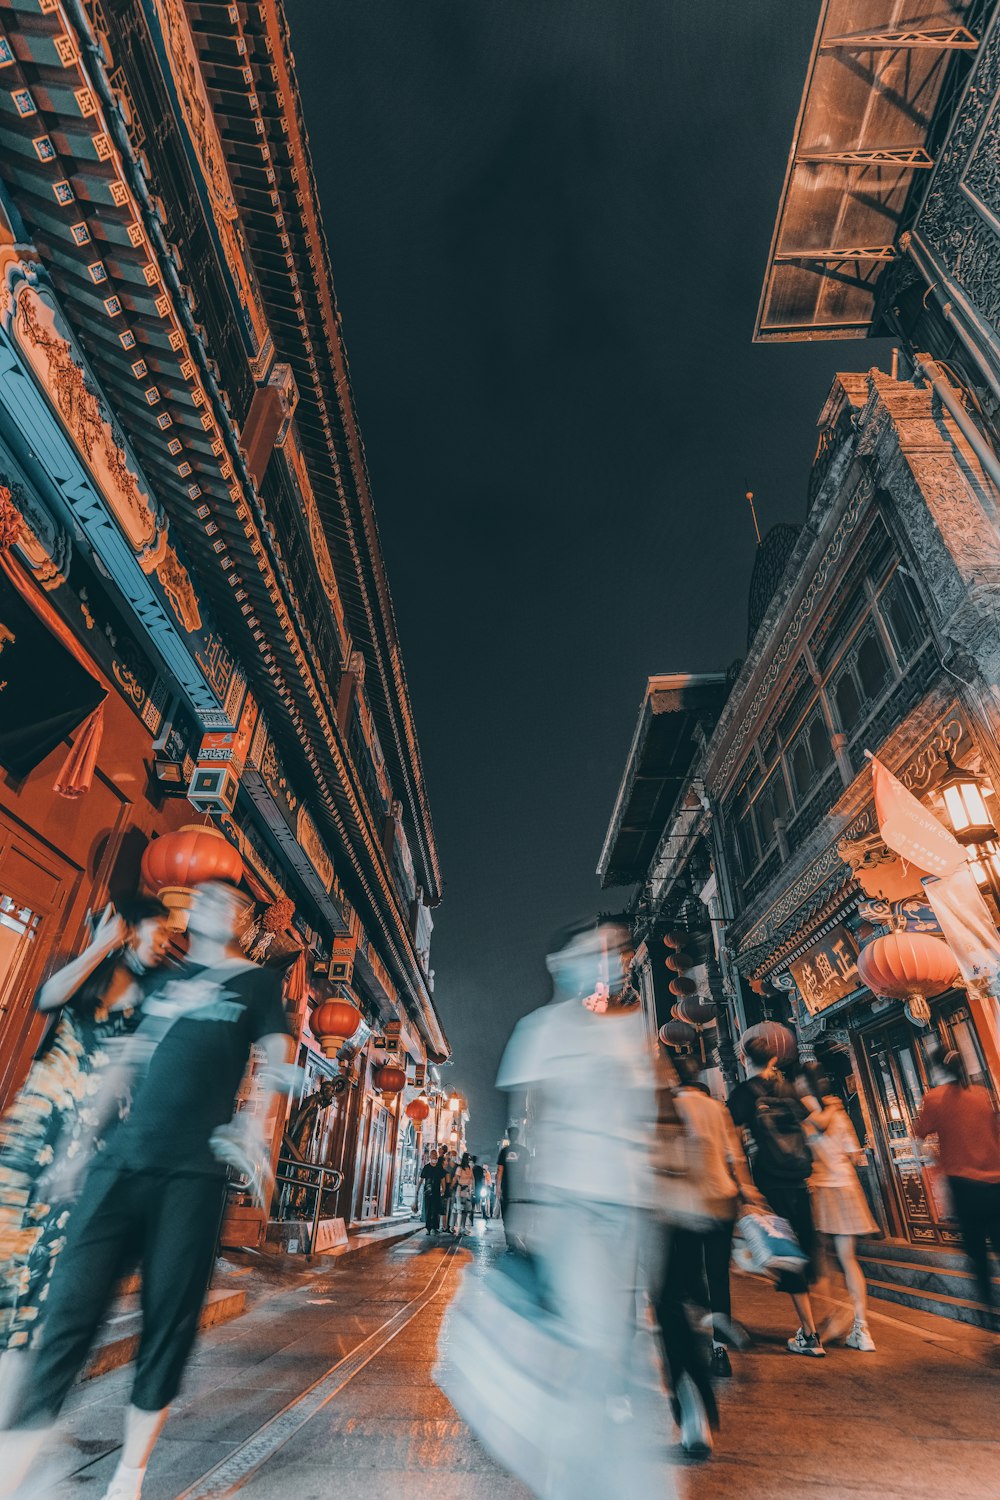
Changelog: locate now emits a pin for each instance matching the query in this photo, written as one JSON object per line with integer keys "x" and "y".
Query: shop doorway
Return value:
{"x": 35, "y": 889}
{"x": 896, "y": 1059}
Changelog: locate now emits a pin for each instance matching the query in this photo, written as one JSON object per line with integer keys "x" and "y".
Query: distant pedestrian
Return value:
{"x": 465, "y": 1182}
{"x": 767, "y": 1107}
{"x": 840, "y": 1210}
{"x": 964, "y": 1118}
{"x": 448, "y": 1191}
{"x": 432, "y": 1175}
{"x": 510, "y": 1164}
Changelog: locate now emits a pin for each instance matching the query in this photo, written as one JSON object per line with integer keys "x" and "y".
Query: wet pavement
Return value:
{"x": 324, "y": 1388}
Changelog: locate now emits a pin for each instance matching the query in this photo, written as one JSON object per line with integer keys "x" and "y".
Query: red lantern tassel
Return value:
{"x": 77, "y": 772}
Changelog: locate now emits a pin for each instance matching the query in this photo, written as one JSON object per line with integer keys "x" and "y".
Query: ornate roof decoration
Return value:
{"x": 769, "y": 564}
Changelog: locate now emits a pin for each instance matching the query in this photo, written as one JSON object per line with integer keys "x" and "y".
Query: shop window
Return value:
{"x": 901, "y": 617}
{"x": 819, "y": 744}
{"x": 873, "y": 666}
{"x": 18, "y": 930}
{"x": 802, "y": 771}
{"x": 848, "y": 700}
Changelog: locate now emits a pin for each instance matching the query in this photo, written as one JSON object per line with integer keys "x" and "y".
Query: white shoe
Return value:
{"x": 837, "y": 1326}
{"x": 696, "y": 1434}
{"x": 126, "y": 1484}
{"x": 860, "y": 1338}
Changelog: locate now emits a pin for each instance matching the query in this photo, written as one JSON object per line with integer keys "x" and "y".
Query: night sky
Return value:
{"x": 549, "y": 221}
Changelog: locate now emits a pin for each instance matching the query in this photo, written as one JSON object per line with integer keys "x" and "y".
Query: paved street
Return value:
{"x": 324, "y": 1388}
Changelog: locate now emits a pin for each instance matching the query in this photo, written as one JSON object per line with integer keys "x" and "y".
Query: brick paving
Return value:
{"x": 916, "y": 1419}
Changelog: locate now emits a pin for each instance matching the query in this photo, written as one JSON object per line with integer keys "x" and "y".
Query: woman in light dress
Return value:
{"x": 840, "y": 1211}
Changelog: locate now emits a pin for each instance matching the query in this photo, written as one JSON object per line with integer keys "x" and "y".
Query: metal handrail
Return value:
{"x": 318, "y": 1188}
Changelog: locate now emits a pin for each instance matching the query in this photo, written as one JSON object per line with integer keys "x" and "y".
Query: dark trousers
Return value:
{"x": 977, "y": 1209}
{"x": 682, "y": 1280}
{"x": 432, "y": 1211}
{"x": 791, "y": 1201}
{"x": 717, "y": 1250}
{"x": 167, "y": 1223}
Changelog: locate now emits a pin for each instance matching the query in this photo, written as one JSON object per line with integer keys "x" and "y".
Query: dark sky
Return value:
{"x": 549, "y": 221}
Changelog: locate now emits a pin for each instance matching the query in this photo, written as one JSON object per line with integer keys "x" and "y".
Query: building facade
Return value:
{"x": 196, "y": 619}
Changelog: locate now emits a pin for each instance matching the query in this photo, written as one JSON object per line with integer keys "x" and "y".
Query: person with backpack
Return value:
{"x": 768, "y": 1109}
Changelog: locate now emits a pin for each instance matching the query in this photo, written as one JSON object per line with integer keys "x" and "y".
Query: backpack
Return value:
{"x": 782, "y": 1149}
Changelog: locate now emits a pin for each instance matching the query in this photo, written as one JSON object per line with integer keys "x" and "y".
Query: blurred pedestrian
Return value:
{"x": 964, "y": 1118}
{"x": 539, "y": 1351}
{"x": 767, "y": 1107}
{"x": 840, "y": 1210}
{"x": 465, "y": 1183}
{"x": 701, "y": 1225}
{"x": 47, "y": 1136}
{"x": 448, "y": 1192}
{"x": 156, "y": 1190}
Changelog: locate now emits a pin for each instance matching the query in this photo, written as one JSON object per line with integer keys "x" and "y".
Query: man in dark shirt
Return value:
{"x": 432, "y": 1176}
{"x": 766, "y": 1107}
{"x": 155, "y": 1193}
{"x": 508, "y": 1173}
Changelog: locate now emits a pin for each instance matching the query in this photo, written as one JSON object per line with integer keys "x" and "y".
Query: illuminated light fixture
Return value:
{"x": 454, "y": 1102}
{"x": 984, "y": 862}
{"x": 965, "y": 804}
{"x": 168, "y": 773}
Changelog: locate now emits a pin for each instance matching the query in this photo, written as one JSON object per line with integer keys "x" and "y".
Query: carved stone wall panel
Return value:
{"x": 959, "y": 217}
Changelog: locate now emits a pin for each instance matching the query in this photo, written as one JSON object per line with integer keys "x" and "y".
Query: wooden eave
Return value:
{"x": 331, "y": 441}
{"x": 276, "y": 686}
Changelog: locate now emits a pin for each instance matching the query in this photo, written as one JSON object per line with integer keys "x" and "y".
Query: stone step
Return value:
{"x": 942, "y": 1274}
{"x": 959, "y": 1309}
{"x": 120, "y": 1336}
{"x": 948, "y": 1257}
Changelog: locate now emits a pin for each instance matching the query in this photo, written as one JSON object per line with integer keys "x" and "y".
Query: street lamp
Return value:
{"x": 454, "y": 1103}
{"x": 971, "y": 824}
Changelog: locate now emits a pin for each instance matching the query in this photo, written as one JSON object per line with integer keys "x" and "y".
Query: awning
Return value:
{"x": 662, "y": 752}
{"x": 879, "y": 71}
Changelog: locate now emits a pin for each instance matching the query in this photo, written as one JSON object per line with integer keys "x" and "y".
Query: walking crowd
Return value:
{"x": 634, "y": 1212}
{"x": 114, "y": 1157}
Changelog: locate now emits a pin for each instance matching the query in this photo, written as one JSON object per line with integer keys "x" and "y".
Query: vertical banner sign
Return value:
{"x": 910, "y": 829}
{"x": 969, "y": 929}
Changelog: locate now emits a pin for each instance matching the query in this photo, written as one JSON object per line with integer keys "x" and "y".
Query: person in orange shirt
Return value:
{"x": 965, "y": 1121}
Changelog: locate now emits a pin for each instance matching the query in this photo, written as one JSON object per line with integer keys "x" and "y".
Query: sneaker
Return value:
{"x": 860, "y": 1338}
{"x": 126, "y": 1484}
{"x": 721, "y": 1368}
{"x": 837, "y": 1326}
{"x": 696, "y": 1434}
{"x": 806, "y": 1343}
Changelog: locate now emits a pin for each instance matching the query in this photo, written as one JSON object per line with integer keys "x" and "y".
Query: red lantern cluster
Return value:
{"x": 678, "y": 1034}
{"x": 389, "y": 1077}
{"x": 190, "y": 856}
{"x": 333, "y": 1023}
{"x": 696, "y": 1011}
{"x": 780, "y": 1041}
{"x": 908, "y": 966}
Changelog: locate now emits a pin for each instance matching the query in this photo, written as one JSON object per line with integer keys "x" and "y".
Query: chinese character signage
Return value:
{"x": 827, "y": 971}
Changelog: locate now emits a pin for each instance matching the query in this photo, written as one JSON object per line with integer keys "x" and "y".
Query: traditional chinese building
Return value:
{"x": 195, "y": 619}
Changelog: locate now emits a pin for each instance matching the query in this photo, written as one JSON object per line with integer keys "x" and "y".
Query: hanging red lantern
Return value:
{"x": 189, "y": 857}
{"x": 697, "y": 1011}
{"x": 333, "y": 1023}
{"x": 389, "y": 1077}
{"x": 680, "y": 961}
{"x": 674, "y": 939}
{"x": 908, "y": 966}
{"x": 683, "y": 986}
{"x": 418, "y": 1110}
{"x": 781, "y": 1042}
{"x": 678, "y": 1034}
